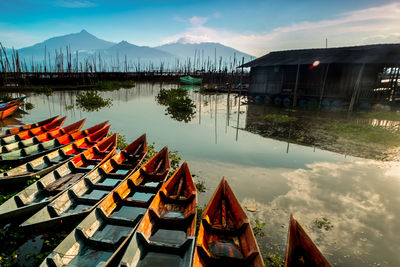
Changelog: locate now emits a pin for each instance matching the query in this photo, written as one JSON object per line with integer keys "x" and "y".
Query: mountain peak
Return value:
{"x": 83, "y": 31}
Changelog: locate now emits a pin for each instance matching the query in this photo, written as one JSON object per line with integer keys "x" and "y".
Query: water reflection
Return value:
{"x": 360, "y": 197}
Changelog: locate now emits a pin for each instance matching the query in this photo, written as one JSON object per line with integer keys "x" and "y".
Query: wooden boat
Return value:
{"x": 300, "y": 250}
{"x": 11, "y": 100}
{"x": 47, "y": 136}
{"x": 9, "y": 110}
{"x": 17, "y": 130}
{"x": 225, "y": 237}
{"x": 79, "y": 199}
{"x": 166, "y": 235}
{"x": 32, "y": 132}
{"x": 190, "y": 80}
{"x": 37, "y": 195}
{"x": 43, "y": 165}
{"x": 29, "y": 153}
{"x": 108, "y": 226}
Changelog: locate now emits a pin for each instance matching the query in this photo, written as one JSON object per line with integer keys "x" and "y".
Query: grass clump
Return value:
{"x": 179, "y": 106}
{"x": 366, "y": 133}
{"x": 47, "y": 90}
{"x": 323, "y": 223}
{"x": 114, "y": 85}
{"x": 279, "y": 118}
{"x": 273, "y": 260}
{"x": 92, "y": 101}
{"x": 382, "y": 115}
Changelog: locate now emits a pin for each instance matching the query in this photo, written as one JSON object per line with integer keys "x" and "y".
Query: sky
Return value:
{"x": 255, "y": 27}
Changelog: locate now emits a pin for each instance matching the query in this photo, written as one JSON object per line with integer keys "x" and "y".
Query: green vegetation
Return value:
{"x": 273, "y": 260}
{"x": 113, "y": 85}
{"x": 366, "y": 133}
{"x": 200, "y": 186}
{"x": 323, "y": 223}
{"x": 29, "y": 106}
{"x": 382, "y": 115}
{"x": 279, "y": 118}
{"x": 69, "y": 107}
{"x": 5, "y": 98}
{"x": 121, "y": 141}
{"x": 92, "y": 101}
{"x": 258, "y": 228}
{"x": 199, "y": 214}
{"x": 47, "y": 90}
{"x": 179, "y": 106}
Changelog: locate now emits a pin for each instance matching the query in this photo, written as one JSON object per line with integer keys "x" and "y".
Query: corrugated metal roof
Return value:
{"x": 369, "y": 54}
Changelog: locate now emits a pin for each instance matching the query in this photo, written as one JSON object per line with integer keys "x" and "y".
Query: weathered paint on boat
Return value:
{"x": 84, "y": 194}
{"x": 166, "y": 234}
{"x": 19, "y": 129}
{"x": 43, "y": 165}
{"x": 225, "y": 237}
{"x": 33, "y": 132}
{"x": 47, "y": 136}
{"x": 301, "y": 250}
{"x": 108, "y": 226}
{"x": 34, "y": 197}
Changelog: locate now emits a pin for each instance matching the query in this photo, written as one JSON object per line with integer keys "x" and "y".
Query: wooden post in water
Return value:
{"x": 296, "y": 85}
{"x": 356, "y": 88}
{"x": 240, "y": 93}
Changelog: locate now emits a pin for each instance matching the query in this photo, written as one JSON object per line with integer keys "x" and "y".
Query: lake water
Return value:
{"x": 360, "y": 197}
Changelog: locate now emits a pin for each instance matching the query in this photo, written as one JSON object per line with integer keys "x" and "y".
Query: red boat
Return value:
{"x": 300, "y": 250}
{"x": 225, "y": 237}
{"x": 26, "y": 127}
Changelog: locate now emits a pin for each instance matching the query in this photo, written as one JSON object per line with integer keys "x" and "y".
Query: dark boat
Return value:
{"x": 32, "y": 132}
{"x": 114, "y": 219}
{"x": 37, "y": 195}
{"x": 47, "y": 136}
{"x": 225, "y": 237}
{"x": 300, "y": 250}
{"x": 43, "y": 165}
{"x": 166, "y": 235}
{"x": 29, "y": 153}
{"x": 19, "y": 129}
{"x": 83, "y": 195}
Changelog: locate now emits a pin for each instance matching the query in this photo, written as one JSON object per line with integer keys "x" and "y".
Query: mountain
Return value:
{"x": 203, "y": 50}
{"x": 133, "y": 51}
{"x": 82, "y": 41}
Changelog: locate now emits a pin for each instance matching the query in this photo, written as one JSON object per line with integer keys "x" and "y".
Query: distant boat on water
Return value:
{"x": 190, "y": 80}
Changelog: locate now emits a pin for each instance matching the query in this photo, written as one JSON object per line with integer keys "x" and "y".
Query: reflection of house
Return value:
{"x": 352, "y": 74}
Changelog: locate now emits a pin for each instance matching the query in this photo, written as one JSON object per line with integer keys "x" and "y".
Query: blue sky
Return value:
{"x": 255, "y": 27}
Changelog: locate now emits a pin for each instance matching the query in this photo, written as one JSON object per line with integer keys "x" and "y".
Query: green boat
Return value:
{"x": 190, "y": 80}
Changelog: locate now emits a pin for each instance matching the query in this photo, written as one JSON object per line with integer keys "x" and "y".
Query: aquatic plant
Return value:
{"x": 179, "y": 106}
{"x": 323, "y": 223}
{"x": 279, "y": 118}
{"x": 200, "y": 186}
{"x": 273, "y": 260}
{"x": 382, "y": 115}
{"x": 121, "y": 140}
{"x": 258, "y": 228}
{"x": 69, "y": 107}
{"x": 92, "y": 101}
{"x": 29, "y": 106}
{"x": 114, "y": 85}
{"x": 5, "y": 98}
{"x": 47, "y": 90}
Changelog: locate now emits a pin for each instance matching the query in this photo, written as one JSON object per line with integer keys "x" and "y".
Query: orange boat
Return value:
{"x": 43, "y": 165}
{"x": 26, "y": 127}
{"x": 47, "y": 136}
{"x": 107, "y": 228}
{"x": 56, "y": 124}
{"x": 9, "y": 110}
{"x": 35, "y": 196}
{"x": 166, "y": 235}
{"x": 300, "y": 250}
{"x": 225, "y": 237}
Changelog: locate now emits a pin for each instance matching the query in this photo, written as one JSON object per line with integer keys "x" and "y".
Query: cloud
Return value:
{"x": 365, "y": 26}
{"x": 76, "y": 4}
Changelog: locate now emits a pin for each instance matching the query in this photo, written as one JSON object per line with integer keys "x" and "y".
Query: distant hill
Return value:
{"x": 82, "y": 41}
{"x": 133, "y": 51}
{"x": 174, "y": 55}
{"x": 203, "y": 50}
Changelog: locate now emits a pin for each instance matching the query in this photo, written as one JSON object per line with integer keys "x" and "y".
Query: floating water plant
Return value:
{"x": 48, "y": 91}
{"x": 29, "y": 106}
{"x": 92, "y": 101}
{"x": 113, "y": 85}
{"x": 179, "y": 106}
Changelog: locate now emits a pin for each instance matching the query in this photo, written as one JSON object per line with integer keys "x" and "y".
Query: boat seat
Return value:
{"x": 99, "y": 245}
{"x": 98, "y": 186}
{"x": 18, "y": 201}
{"x": 54, "y": 260}
{"x": 220, "y": 231}
{"x": 114, "y": 221}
